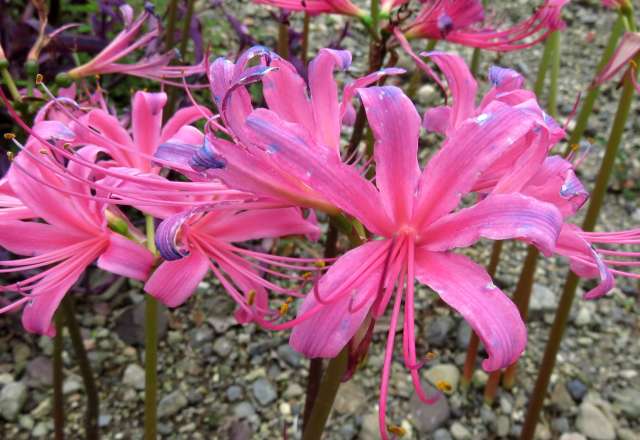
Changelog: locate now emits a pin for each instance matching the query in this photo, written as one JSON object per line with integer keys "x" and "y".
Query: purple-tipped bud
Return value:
{"x": 206, "y": 158}
{"x": 167, "y": 238}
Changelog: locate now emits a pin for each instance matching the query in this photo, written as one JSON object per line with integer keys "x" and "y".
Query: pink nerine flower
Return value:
{"x": 75, "y": 234}
{"x": 192, "y": 243}
{"x": 345, "y": 7}
{"x": 453, "y": 20}
{"x": 622, "y": 59}
{"x": 413, "y": 214}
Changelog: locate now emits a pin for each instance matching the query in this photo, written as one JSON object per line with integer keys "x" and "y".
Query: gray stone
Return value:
{"x": 543, "y": 300}
{"x": 234, "y": 393}
{"x": 172, "y": 403}
{"x": 628, "y": 401}
{"x": 560, "y": 397}
{"x": 427, "y": 418}
{"x": 134, "y": 376}
{"x": 243, "y": 410}
{"x": 577, "y": 389}
{"x": 506, "y": 404}
{"x": 71, "y": 385}
{"x": 40, "y": 430}
{"x": 479, "y": 378}
{"x": 264, "y": 391}
{"x": 583, "y": 317}
{"x": 12, "y": 399}
{"x": 438, "y": 331}
{"x": 222, "y": 346}
{"x": 463, "y": 335}
{"x": 503, "y": 426}
{"x": 201, "y": 336}
{"x": 289, "y": 355}
{"x": 104, "y": 420}
{"x": 460, "y": 432}
{"x": 40, "y": 372}
{"x": 350, "y": 399}
{"x": 26, "y": 422}
{"x": 370, "y": 429}
{"x": 572, "y": 436}
{"x": 442, "y": 434}
{"x": 129, "y": 325}
{"x": 594, "y": 424}
{"x": 446, "y": 373}
{"x": 560, "y": 425}
{"x": 627, "y": 434}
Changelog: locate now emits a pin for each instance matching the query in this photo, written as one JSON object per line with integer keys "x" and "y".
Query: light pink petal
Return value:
{"x": 628, "y": 48}
{"x": 181, "y": 119}
{"x": 324, "y": 94}
{"x": 126, "y": 258}
{"x": 396, "y": 128}
{"x": 173, "y": 282}
{"x": 146, "y": 120}
{"x": 467, "y": 288}
{"x": 462, "y": 85}
{"x": 468, "y": 151}
{"x": 316, "y": 6}
{"x": 437, "y": 119}
{"x": 498, "y": 217}
{"x": 347, "y": 112}
{"x": 31, "y": 238}
{"x": 328, "y": 331}
{"x": 255, "y": 224}
{"x": 584, "y": 260}
{"x": 108, "y": 127}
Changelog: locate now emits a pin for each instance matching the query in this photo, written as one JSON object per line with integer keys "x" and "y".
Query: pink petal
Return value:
{"x": 324, "y": 94}
{"x": 628, "y": 48}
{"x": 146, "y": 121}
{"x": 396, "y": 127}
{"x": 437, "y": 119}
{"x": 256, "y": 224}
{"x": 31, "y": 238}
{"x": 498, "y": 217}
{"x": 173, "y": 282}
{"x": 328, "y": 331}
{"x": 126, "y": 258}
{"x": 183, "y": 118}
{"x": 466, "y": 287}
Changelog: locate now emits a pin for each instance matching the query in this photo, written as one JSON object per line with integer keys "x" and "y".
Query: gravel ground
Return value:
{"x": 221, "y": 380}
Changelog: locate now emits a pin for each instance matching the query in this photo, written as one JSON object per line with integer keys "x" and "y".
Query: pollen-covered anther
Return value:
{"x": 319, "y": 263}
{"x": 430, "y": 356}
{"x": 9, "y": 136}
{"x": 284, "y": 309}
{"x": 251, "y": 297}
{"x": 397, "y": 430}
{"x": 39, "y": 79}
{"x": 307, "y": 275}
{"x": 444, "y": 386}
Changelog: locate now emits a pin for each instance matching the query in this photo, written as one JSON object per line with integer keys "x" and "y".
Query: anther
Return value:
{"x": 44, "y": 151}
{"x": 397, "y": 430}
{"x": 284, "y": 308}
{"x": 251, "y": 297}
{"x": 39, "y": 79}
{"x": 430, "y": 356}
{"x": 444, "y": 386}
{"x": 319, "y": 263}
{"x": 9, "y": 136}
{"x": 11, "y": 155}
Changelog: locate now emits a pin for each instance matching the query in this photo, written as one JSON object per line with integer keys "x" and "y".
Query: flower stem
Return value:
{"x": 172, "y": 13}
{"x": 283, "y": 40}
{"x": 571, "y": 284}
{"x": 476, "y": 58}
{"x": 491, "y": 387}
{"x": 186, "y": 25}
{"x": 184, "y": 41}
{"x": 93, "y": 403}
{"x": 590, "y": 99}
{"x": 474, "y": 341}
{"x": 543, "y": 66}
{"x": 58, "y": 379}
{"x": 375, "y": 16}
{"x": 305, "y": 39}
{"x": 326, "y": 396}
{"x": 150, "y": 349}
{"x": 554, "y": 43}
{"x": 8, "y": 81}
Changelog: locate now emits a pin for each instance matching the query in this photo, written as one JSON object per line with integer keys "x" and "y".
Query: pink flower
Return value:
{"x": 345, "y": 7}
{"x": 75, "y": 234}
{"x": 453, "y": 20}
{"x": 154, "y": 67}
{"x": 251, "y": 167}
{"x": 192, "y": 243}
{"x": 622, "y": 59}
{"x": 414, "y": 214}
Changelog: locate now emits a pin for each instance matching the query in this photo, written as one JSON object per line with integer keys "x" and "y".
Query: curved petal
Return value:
{"x": 126, "y": 258}
{"x": 31, "y": 238}
{"x": 328, "y": 331}
{"x": 255, "y": 224}
{"x": 628, "y": 48}
{"x": 181, "y": 119}
{"x": 467, "y": 288}
{"x": 498, "y": 217}
{"x": 396, "y": 127}
{"x": 437, "y": 119}
{"x": 146, "y": 122}
{"x": 173, "y": 282}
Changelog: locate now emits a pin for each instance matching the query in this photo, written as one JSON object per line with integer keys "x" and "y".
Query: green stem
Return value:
{"x": 324, "y": 402}
{"x": 569, "y": 291}
{"x": 58, "y": 379}
{"x": 172, "y": 13}
{"x": 375, "y": 17}
{"x": 8, "y": 81}
{"x": 186, "y": 25}
{"x": 184, "y": 41}
{"x": 150, "y": 349}
{"x": 590, "y": 99}
{"x": 305, "y": 39}
{"x": 543, "y": 66}
{"x": 283, "y": 40}
{"x": 476, "y": 58}
{"x": 92, "y": 431}
{"x": 554, "y": 42}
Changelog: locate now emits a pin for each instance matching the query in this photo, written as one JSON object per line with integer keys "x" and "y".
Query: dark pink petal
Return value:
{"x": 126, "y": 258}
{"x": 396, "y": 128}
{"x": 437, "y": 119}
{"x": 628, "y": 48}
{"x": 316, "y": 6}
{"x": 328, "y": 331}
{"x": 173, "y": 282}
{"x": 324, "y": 93}
{"x": 31, "y": 238}
{"x": 498, "y": 217}
{"x": 467, "y": 288}
{"x": 146, "y": 121}
{"x": 256, "y": 224}
{"x": 347, "y": 111}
